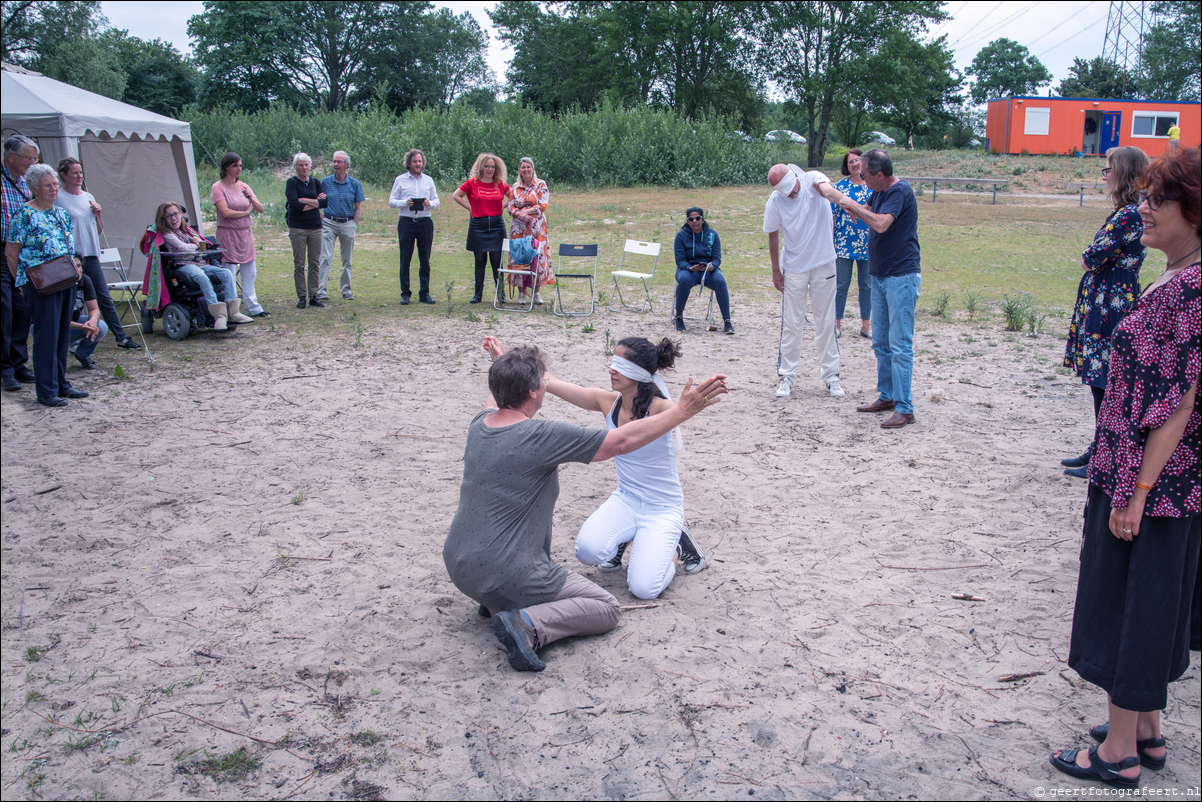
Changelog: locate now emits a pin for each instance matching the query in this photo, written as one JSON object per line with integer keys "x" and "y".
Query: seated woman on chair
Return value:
{"x": 647, "y": 508}
{"x": 699, "y": 262}
{"x": 183, "y": 243}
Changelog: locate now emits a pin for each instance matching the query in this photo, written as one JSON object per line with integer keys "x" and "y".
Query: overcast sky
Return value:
{"x": 1055, "y": 32}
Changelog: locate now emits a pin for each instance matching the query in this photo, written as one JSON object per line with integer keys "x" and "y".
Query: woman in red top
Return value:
{"x": 483, "y": 194}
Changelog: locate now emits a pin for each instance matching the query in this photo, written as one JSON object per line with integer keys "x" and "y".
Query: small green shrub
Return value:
{"x": 1015, "y": 311}
{"x": 940, "y": 303}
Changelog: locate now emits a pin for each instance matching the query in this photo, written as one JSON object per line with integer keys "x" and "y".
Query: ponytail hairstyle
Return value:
{"x": 651, "y": 358}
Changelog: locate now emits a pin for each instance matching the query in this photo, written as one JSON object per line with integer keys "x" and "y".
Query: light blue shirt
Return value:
{"x": 341, "y": 197}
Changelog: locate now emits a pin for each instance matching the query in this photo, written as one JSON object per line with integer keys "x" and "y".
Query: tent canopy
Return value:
{"x": 133, "y": 159}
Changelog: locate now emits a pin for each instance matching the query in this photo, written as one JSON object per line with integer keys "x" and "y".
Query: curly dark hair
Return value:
{"x": 651, "y": 358}
{"x": 1179, "y": 178}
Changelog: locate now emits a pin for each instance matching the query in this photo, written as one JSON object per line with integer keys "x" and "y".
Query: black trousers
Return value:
{"x": 420, "y": 232}
{"x": 108, "y": 309}
{"x": 51, "y": 315}
{"x": 14, "y": 347}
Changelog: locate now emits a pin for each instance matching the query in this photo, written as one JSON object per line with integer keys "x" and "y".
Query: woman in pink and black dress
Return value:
{"x": 235, "y": 203}
{"x": 1140, "y": 551}
{"x": 483, "y": 194}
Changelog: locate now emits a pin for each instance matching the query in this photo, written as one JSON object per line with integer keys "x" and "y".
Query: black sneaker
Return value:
{"x": 300, "y": 303}
{"x": 729, "y": 328}
{"x": 314, "y": 302}
{"x": 85, "y": 362}
{"x": 679, "y": 321}
{"x": 614, "y": 564}
{"x": 692, "y": 558}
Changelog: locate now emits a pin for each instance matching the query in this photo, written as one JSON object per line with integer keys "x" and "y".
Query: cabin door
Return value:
{"x": 1111, "y": 125}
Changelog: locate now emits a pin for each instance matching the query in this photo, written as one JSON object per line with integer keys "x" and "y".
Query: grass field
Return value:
{"x": 968, "y": 246}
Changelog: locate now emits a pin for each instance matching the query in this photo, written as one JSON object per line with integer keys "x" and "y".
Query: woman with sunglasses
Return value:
{"x": 1139, "y": 554}
{"x": 1109, "y": 285}
{"x": 699, "y": 264}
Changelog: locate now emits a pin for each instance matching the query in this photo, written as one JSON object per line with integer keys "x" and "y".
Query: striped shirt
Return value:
{"x": 16, "y": 193}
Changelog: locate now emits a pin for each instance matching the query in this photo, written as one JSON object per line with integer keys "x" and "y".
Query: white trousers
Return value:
{"x": 246, "y": 277}
{"x": 345, "y": 234}
{"x": 654, "y": 530}
{"x": 820, "y": 285}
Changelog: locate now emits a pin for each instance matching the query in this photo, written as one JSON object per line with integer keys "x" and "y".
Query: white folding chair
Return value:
{"x": 641, "y": 249}
{"x": 116, "y": 276}
{"x": 572, "y": 252}
{"x": 507, "y": 304}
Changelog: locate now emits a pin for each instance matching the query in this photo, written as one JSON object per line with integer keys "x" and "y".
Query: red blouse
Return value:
{"x": 1156, "y": 356}
{"x": 485, "y": 199}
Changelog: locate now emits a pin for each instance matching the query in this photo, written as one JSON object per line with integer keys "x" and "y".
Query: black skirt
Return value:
{"x": 485, "y": 234}
{"x": 1131, "y": 621}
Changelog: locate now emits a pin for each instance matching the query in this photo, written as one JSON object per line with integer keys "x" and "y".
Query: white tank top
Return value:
{"x": 649, "y": 473}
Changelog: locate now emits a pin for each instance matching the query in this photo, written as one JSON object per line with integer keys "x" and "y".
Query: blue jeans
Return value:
{"x": 200, "y": 274}
{"x": 87, "y": 347}
{"x": 843, "y": 268}
{"x": 894, "y": 299}
{"x": 688, "y": 279}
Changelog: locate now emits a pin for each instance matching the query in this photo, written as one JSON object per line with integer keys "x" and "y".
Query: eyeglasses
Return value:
{"x": 695, "y": 219}
{"x": 173, "y": 214}
{"x": 1154, "y": 201}
{"x": 1106, "y": 171}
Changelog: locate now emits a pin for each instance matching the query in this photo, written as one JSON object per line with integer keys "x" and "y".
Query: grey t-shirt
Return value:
{"x": 87, "y": 238}
{"x": 498, "y": 551}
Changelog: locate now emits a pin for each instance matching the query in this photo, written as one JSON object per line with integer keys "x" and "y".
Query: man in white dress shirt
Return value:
{"x": 414, "y": 196}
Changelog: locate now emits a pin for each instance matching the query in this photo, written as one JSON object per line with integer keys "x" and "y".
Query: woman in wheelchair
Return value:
{"x": 182, "y": 243}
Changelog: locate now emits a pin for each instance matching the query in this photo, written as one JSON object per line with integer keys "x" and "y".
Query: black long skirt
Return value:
{"x": 485, "y": 234}
{"x": 1131, "y": 622}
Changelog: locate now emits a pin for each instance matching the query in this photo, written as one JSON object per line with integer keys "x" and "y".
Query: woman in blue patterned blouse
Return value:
{"x": 851, "y": 246}
{"x": 38, "y": 232}
{"x": 1110, "y": 284}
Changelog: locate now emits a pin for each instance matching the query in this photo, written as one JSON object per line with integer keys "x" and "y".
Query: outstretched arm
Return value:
{"x": 636, "y": 434}
{"x": 588, "y": 398}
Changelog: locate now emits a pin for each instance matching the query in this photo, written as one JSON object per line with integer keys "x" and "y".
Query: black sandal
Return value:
{"x": 129, "y": 343}
{"x": 1098, "y": 769}
{"x": 1100, "y": 732}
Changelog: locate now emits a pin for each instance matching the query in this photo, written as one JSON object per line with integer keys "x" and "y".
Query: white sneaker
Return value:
{"x": 834, "y": 389}
{"x": 785, "y": 388}
{"x": 538, "y": 299}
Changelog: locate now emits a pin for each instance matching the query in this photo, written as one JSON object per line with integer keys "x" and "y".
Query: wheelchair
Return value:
{"x": 183, "y": 311}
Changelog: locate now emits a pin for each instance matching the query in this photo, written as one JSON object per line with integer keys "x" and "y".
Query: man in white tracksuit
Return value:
{"x": 798, "y": 216}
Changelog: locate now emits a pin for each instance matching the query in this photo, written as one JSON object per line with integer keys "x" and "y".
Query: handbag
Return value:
{"x": 55, "y": 275}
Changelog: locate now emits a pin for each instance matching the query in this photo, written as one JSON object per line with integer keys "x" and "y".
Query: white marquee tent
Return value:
{"x": 133, "y": 159}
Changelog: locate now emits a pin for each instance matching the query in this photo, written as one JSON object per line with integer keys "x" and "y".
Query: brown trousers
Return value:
{"x": 581, "y": 608}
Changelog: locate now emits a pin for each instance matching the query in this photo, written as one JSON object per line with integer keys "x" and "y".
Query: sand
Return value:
{"x": 223, "y": 579}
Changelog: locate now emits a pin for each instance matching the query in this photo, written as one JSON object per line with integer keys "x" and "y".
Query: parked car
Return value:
{"x": 879, "y": 136}
{"x": 785, "y": 135}
{"x": 743, "y": 135}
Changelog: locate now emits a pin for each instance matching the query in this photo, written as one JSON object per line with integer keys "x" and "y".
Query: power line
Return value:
{"x": 986, "y": 34}
{"x": 950, "y": 19}
{"x": 1050, "y": 30}
{"x": 1074, "y": 36}
{"x": 978, "y": 22}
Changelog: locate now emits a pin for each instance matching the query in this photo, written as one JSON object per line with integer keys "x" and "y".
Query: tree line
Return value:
{"x": 842, "y": 67}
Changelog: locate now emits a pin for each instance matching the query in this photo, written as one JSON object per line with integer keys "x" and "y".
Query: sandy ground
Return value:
{"x": 243, "y": 552}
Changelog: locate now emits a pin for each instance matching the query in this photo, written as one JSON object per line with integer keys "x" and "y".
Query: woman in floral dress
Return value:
{"x": 1110, "y": 284}
{"x": 851, "y": 246}
{"x": 528, "y": 207}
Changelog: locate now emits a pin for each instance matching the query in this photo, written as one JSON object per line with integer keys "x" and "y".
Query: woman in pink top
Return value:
{"x": 235, "y": 203}
{"x": 483, "y": 194}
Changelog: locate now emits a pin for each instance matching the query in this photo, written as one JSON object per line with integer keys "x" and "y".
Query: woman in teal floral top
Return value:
{"x": 1110, "y": 284}
{"x": 851, "y": 246}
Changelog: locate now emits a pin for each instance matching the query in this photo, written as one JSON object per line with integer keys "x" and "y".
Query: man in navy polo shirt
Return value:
{"x": 344, "y": 194}
{"x": 894, "y": 263}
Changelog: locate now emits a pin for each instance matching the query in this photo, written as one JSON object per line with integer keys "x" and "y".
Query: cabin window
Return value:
{"x": 1152, "y": 123}
{"x": 1037, "y": 122}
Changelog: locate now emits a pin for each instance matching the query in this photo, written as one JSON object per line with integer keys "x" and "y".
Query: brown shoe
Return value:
{"x": 876, "y": 406}
{"x": 897, "y": 420}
